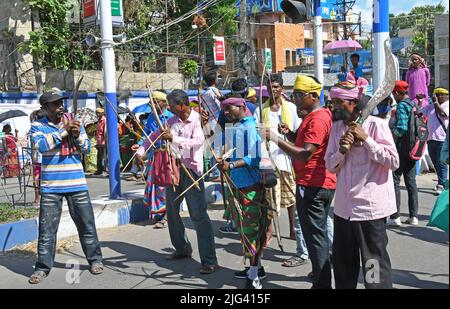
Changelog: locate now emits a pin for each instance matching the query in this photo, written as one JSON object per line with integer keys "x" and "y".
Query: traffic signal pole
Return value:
{"x": 380, "y": 34}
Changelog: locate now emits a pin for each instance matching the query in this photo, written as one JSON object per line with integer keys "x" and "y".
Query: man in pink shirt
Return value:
{"x": 186, "y": 135}
{"x": 363, "y": 157}
{"x": 100, "y": 138}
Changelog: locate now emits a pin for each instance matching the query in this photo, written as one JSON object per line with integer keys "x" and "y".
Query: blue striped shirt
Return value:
{"x": 59, "y": 173}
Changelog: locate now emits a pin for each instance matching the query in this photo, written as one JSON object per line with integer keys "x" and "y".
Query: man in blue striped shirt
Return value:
{"x": 61, "y": 141}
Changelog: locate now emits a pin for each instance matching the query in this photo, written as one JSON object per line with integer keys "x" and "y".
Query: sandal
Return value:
{"x": 160, "y": 224}
{"x": 96, "y": 268}
{"x": 37, "y": 277}
{"x": 294, "y": 262}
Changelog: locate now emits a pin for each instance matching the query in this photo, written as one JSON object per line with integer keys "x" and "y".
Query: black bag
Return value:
{"x": 268, "y": 178}
{"x": 416, "y": 139}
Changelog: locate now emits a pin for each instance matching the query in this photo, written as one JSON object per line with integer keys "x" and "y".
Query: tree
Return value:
{"x": 421, "y": 20}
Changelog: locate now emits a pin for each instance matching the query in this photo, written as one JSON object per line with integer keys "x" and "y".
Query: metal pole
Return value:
{"x": 167, "y": 29}
{"x": 380, "y": 34}
{"x": 109, "y": 82}
{"x": 318, "y": 44}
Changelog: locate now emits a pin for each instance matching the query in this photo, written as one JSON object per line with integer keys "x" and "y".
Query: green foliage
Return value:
{"x": 54, "y": 44}
{"x": 422, "y": 20}
{"x": 190, "y": 68}
{"x": 9, "y": 214}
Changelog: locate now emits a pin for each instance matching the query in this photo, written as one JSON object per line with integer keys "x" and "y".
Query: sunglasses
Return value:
{"x": 299, "y": 95}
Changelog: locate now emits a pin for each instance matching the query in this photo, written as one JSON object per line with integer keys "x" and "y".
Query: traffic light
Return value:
{"x": 298, "y": 10}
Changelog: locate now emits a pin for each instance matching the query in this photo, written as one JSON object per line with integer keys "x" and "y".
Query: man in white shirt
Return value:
{"x": 278, "y": 113}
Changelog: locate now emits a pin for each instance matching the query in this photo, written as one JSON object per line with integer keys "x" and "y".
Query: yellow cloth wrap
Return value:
{"x": 307, "y": 84}
{"x": 251, "y": 93}
{"x": 159, "y": 96}
{"x": 440, "y": 91}
{"x": 286, "y": 116}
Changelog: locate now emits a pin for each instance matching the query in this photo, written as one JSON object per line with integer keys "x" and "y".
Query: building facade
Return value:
{"x": 441, "y": 41}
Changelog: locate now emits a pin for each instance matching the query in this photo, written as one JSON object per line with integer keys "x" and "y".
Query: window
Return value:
{"x": 443, "y": 43}
{"x": 290, "y": 57}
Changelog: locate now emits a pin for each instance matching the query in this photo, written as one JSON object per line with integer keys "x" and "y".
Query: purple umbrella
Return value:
{"x": 341, "y": 47}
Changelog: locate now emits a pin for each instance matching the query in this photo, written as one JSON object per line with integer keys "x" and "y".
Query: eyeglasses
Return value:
{"x": 299, "y": 95}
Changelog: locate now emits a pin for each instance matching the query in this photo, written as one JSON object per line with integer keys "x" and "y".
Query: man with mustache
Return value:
{"x": 363, "y": 157}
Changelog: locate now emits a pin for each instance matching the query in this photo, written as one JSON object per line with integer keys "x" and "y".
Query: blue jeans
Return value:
{"x": 197, "y": 206}
{"x": 407, "y": 169}
{"x": 434, "y": 149}
{"x": 302, "y": 250}
{"x": 80, "y": 209}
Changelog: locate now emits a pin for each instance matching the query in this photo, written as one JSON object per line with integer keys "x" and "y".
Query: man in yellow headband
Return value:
{"x": 315, "y": 184}
{"x": 251, "y": 96}
{"x": 438, "y": 113}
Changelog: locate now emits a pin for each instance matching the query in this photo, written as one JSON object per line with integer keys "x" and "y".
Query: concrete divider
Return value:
{"x": 108, "y": 213}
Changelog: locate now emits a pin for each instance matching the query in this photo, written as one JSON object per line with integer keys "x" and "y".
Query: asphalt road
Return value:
{"x": 134, "y": 256}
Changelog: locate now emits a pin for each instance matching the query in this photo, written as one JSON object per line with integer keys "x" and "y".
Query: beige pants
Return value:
{"x": 283, "y": 194}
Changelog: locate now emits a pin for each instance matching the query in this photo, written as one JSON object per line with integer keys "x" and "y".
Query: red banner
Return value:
{"x": 219, "y": 51}
{"x": 88, "y": 8}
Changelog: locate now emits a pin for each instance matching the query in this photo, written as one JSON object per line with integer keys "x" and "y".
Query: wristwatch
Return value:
{"x": 232, "y": 166}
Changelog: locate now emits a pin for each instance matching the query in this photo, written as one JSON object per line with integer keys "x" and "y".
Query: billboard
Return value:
{"x": 91, "y": 13}
{"x": 219, "y": 50}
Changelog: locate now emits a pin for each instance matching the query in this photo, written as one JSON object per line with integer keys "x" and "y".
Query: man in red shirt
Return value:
{"x": 315, "y": 185}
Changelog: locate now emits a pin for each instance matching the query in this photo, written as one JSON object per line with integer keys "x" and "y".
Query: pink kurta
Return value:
{"x": 418, "y": 81}
{"x": 365, "y": 186}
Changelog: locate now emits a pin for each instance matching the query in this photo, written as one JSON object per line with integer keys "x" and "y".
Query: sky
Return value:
{"x": 395, "y": 7}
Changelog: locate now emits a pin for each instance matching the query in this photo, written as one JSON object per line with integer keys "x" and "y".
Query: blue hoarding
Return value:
{"x": 329, "y": 9}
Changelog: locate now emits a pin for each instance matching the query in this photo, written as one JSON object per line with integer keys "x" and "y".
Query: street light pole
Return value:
{"x": 109, "y": 82}
{"x": 380, "y": 33}
{"x": 318, "y": 43}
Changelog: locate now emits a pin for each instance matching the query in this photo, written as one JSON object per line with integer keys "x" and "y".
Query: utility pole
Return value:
{"x": 167, "y": 28}
{"x": 243, "y": 32}
{"x": 381, "y": 34}
{"x": 109, "y": 82}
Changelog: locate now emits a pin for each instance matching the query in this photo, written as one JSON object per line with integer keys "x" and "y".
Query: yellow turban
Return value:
{"x": 100, "y": 110}
{"x": 440, "y": 91}
{"x": 307, "y": 84}
{"x": 251, "y": 93}
{"x": 159, "y": 96}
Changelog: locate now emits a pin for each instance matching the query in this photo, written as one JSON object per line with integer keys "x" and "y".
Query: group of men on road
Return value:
{"x": 296, "y": 155}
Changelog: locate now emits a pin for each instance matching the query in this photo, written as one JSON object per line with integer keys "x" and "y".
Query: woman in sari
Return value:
{"x": 90, "y": 159}
{"x": 155, "y": 196}
{"x": 11, "y": 158}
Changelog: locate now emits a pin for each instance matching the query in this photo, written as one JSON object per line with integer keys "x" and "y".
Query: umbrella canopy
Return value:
{"x": 144, "y": 108}
{"x": 341, "y": 47}
{"x": 12, "y": 114}
{"x": 86, "y": 116}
